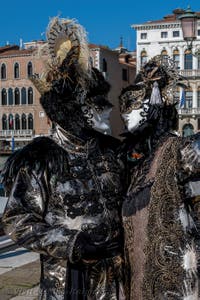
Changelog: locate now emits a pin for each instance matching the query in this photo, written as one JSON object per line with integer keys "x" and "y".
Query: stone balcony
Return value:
{"x": 16, "y": 133}
{"x": 190, "y": 73}
{"x": 189, "y": 111}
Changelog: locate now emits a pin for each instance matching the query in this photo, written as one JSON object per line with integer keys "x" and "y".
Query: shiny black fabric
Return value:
{"x": 58, "y": 190}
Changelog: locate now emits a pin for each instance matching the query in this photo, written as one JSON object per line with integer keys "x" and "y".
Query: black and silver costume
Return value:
{"x": 161, "y": 213}
{"x": 65, "y": 190}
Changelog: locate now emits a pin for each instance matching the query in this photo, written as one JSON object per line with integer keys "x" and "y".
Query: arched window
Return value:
{"x": 188, "y": 60}
{"x": 198, "y": 97}
{"x": 30, "y": 69}
{"x": 4, "y": 97}
{"x": 30, "y": 95}
{"x": 104, "y": 65}
{"x": 143, "y": 58}
{"x": 24, "y": 125}
{"x": 17, "y": 96}
{"x": 30, "y": 121}
{"x": 198, "y": 62}
{"x": 188, "y": 130}
{"x": 164, "y": 56}
{"x": 188, "y": 99}
{"x": 3, "y": 71}
{"x": 4, "y": 122}
{"x": 23, "y": 91}
{"x": 17, "y": 122}
{"x": 10, "y": 96}
{"x": 10, "y": 122}
{"x": 176, "y": 58}
{"x": 16, "y": 70}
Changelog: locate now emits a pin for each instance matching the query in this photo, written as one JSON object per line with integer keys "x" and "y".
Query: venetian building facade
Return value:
{"x": 164, "y": 37}
{"x": 119, "y": 68}
{"x": 21, "y": 115}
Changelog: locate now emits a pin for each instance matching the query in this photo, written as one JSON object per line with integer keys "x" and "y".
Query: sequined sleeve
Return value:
{"x": 24, "y": 219}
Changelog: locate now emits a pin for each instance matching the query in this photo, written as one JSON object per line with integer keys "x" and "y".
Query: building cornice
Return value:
{"x": 15, "y": 55}
{"x": 164, "y": 25}
{"x": 156, "y": 26}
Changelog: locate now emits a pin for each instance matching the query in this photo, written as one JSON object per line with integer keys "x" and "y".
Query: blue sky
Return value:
{"x": 104, "y": 20}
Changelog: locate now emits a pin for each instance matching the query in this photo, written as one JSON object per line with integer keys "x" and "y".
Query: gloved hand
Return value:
{"x": 90, "y": 251}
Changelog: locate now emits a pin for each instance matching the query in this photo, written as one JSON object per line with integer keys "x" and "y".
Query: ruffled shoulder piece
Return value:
{"x": 190, "y": 154}
{"x": 41, "y": 153}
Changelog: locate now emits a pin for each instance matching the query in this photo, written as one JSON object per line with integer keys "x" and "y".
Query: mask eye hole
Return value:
{"x": 98, "y": 109}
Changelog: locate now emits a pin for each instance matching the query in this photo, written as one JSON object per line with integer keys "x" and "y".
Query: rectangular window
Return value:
{"x": 41, "y": 114}
{"x": 124, "y": 75}
{"x": 198, "y": 32}
{"x": 164, "y": 34}
{"x": 188, "y": 99}
{"x": 198, "y": 99}
{"x": 143, "y": 36}
{"x": 176, "y": 34}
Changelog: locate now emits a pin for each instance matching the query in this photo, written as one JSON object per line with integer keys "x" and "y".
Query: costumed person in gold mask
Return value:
{"x": 65, "y": 190}
{"x": 161, "y": 212}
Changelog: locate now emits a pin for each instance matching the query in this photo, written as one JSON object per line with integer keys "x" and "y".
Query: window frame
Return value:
{"x": 164, "y": 34}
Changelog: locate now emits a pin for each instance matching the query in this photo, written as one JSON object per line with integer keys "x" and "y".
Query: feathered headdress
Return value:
{"x": 68, "y": 52}
{"x": 157, "y": 81}
{"x": 160, "y": 78}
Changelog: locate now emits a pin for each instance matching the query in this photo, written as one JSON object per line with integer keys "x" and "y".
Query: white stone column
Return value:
{"x": 195, "y": 63}
{"x": 181, "y": 51}
{"x": 194, "y": 97}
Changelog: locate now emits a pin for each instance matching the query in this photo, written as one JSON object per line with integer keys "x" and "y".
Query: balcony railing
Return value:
{"x": 189, "y": 111}
{"x": 190, "y": 73}
{"x": 16, "y": 133}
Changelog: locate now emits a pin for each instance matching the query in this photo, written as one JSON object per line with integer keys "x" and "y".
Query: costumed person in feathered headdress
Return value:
{"x": 65, "y": 190}
{"x": 161, "y": 212}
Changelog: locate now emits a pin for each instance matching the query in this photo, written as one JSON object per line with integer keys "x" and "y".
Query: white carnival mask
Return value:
{"x": 134, "y": 118}
{"x": 99, "y": 119}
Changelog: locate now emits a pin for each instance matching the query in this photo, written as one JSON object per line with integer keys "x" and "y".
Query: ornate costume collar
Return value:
{"x": 71, "y": 142}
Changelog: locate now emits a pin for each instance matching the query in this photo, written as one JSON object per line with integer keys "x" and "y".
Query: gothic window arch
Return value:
{"x": 16, "y": 70}
{"x": 143, "y": 58}
{"x": 4, "y": 97}
{"x": 17, "y": 96}
{"x": 23, "y": 95}
{"x": 176, "y": 58}
{"x": 24, "y": 121}
{"x": 164, "y": 56}
{"x": 10, "y": 96}
{"x": 30, "y": 95}
{"x": 10, "y": 122}
{"x": 4, "y": 122}
{"x": 30, "y": 121}
{"x": 17, "y": 122}
{"x": 29, "y": 69}
{"x": 188, "y": 60}
{"x": 3, "y": 71}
